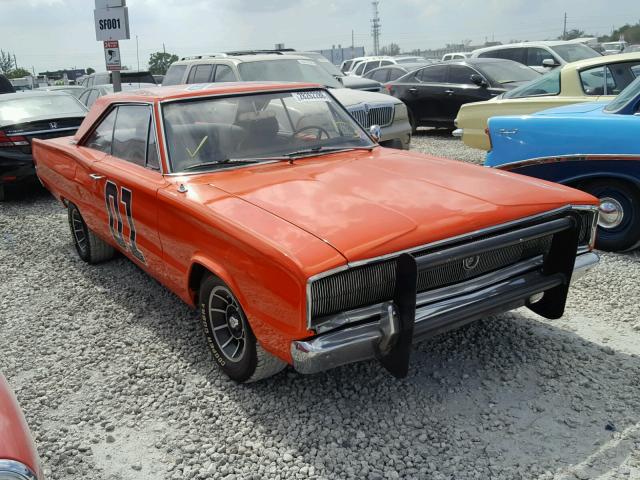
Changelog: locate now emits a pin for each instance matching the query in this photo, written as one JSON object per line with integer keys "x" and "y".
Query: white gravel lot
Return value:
{"x": 116, "y": 381}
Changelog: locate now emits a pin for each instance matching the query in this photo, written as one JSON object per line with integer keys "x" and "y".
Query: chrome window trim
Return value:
{"x": 16, "y": 470}
{"x": 570, "y": 157}
{"x": 53, "y": 130}
{"x": 439, "y": 243}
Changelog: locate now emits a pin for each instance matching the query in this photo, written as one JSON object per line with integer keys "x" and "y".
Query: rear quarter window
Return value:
{"x": 174, "y": 75}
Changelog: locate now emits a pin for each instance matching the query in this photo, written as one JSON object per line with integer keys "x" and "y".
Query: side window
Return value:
{"x": 379, "y": 75}
{"x": 152, "y": 150}
{"x": 130, "y": 133}
{"x": 384, "y": 63}
{"x": 200, "y": 74}
{"x": 460, "y": 74}
{"x": 224, "y": 73}
{"x": 535, "y": 56}
{"x": 594, "y": 80}
{"x": 93, "y": 96}
{"x": 360, "y": 68}
{"x": 83, "y": 97}
{"x": 396, "y": 73}
{"x": 102, "y": 137}
{"x": 436, "y": 74}
{"x": 371, "y": 65}
{"x": 174, "y": 75}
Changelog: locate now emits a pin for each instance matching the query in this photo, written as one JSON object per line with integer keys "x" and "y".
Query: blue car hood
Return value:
{"x": 575, "y": 109}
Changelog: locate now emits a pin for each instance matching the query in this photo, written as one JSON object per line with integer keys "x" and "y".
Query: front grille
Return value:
{"x": 375, "y": 282}
{"x": 366, "y": 116}
{"x": 469, "y": 268}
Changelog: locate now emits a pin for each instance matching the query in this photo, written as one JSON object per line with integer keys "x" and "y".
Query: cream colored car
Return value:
{"x": 595, "y": 79}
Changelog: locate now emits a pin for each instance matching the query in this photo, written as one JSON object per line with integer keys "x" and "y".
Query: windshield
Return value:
{"x": 548, "y": 84}
{"x": 629, "y": 94}
{"x": 23, "y": 109}
{"x": 410, "y": 60}
{"x": 507, "y": 72}
{"x": 217, "y": 132}
{"x": 286, "y": 70}
{"x": 573, "y": 52}
{"x": 326, "y": 65}
{"x": 136, "y": 77}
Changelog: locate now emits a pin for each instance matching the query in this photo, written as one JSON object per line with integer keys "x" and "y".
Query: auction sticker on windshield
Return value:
{"x": 314, "y": 96}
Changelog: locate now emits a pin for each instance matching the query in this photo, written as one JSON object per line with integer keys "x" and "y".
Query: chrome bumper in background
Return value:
{"x": 436, "y": 312}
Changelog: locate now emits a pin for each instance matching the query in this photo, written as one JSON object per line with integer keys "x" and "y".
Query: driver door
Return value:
{"x": 127, "y": 182}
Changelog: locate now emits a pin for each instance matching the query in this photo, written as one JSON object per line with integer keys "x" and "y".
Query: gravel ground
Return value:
{"x": 117, "y": 383}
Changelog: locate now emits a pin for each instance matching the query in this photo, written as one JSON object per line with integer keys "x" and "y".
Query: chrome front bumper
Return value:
{"x": 436, "y": 311}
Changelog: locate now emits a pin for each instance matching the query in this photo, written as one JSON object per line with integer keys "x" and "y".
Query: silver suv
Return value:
{"x": 368, "y": 108}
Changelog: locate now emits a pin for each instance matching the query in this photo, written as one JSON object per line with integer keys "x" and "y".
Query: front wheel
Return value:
{"x": 230, "y": 337}
{"x": 619, "y": 223}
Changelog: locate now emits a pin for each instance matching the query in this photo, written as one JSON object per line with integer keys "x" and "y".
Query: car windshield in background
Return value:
{"x": 324, "y": 63}
{"x": 574, "y": 52}
{"x": 137, "y": 77}
{"x": 220, "y": 132}
{"x": 17, "y": 110}
{"x": 626, "y": 96}
{"x": 411, "y": 60}
{"x": 548, "y": 84}
{"x": 507, "y": 72}
{"x": 286, "y": 70}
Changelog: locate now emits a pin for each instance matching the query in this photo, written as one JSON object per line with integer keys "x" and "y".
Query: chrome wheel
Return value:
{"x": 611, "y": 213}
{"x": 227, "y": 323}
{"x": 79, "y": 232}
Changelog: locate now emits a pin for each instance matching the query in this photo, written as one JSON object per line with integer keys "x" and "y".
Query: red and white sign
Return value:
{"x": 112, "y": 55}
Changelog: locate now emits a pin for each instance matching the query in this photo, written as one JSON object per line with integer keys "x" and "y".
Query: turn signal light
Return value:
{"x": 12, "y": 141}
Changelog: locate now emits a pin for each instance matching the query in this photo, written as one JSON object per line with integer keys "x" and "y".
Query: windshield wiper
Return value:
{"x": 222, "y": 162}
{"x": 316, "y": 150}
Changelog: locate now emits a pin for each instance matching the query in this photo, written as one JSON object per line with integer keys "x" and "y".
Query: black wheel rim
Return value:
{"x": 79, "y": 232}
{"x": 227, "y": 324}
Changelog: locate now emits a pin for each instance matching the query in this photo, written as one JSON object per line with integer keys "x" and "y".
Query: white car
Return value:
{"x": 455, "y": 56}
{"x": 541, "y": 56}
{"x": 366, "y": 64}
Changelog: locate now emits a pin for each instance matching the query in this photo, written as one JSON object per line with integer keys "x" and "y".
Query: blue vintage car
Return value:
{"x": 594, "y": 147}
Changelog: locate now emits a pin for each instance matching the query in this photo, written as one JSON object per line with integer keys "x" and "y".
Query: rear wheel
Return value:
{"x": 230, "y": 338}
{"x": 619, "y": 223}
{"x": 90, "y": 247}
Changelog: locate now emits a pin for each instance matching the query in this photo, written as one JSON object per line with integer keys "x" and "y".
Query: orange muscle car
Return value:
{"x": 300, "y": 240}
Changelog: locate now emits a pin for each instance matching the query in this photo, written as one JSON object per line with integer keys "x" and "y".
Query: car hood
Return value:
{"x": 575, "y": 109}
{"x": 367, "y": 204}
{"x": 350, "y": 97}
{"x": 359, "y": 83}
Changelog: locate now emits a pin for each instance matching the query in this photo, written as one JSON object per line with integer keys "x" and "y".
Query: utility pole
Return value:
{"x": 564, "y": 32}
{"x": 165, "y": 67}
{"x": 137, "y": 53}
{"x": 376, "y": 27}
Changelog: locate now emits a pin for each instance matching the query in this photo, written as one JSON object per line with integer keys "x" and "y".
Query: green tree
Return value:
{"x": 6, "y": 62}
{"x": 391, "y": 49}
{"x": 159, "y": 62}
{"x": 18, "y": 73}
{"x": 631, "y": 34}
{"x": 90, "y": 71}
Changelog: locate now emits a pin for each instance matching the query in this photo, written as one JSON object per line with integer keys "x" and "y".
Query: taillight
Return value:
{"x": 488, "y": 132}
{"x": 389, "y": 88}
{"x": 13, "y": 140}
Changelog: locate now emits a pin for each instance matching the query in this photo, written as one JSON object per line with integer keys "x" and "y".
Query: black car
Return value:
{"x": 435, "y": 93}
{"x": 5, "y": 85}
{"x": 28, "y": 115}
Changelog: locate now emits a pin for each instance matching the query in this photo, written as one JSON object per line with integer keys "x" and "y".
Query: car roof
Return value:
{"x": 542, "y": 43}
{"x": 178, "y": 92}
{"x": 31, "y": 93}
{"x": 603, "y": 60}
{"x": 260, "y": 57}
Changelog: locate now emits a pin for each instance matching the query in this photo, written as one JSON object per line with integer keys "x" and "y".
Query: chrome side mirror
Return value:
{"x": 376, "y": 132}
{"x": 550, "y": 63}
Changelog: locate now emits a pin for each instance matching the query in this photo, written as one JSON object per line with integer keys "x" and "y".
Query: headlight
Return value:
{"x": 12, "y": 470}
{"x": 401, "y": 112}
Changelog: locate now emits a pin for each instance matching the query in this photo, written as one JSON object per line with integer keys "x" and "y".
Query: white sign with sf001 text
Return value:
{"x": 112, "y": 24}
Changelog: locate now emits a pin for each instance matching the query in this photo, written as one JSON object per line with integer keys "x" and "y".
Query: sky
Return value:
{"x": 54, "y": 34}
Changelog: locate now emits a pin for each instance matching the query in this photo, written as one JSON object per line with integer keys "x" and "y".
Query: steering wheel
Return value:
{"x": 321, "y": 131}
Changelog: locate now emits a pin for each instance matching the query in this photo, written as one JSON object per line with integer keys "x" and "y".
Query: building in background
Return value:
{"x": 337, "y": 55}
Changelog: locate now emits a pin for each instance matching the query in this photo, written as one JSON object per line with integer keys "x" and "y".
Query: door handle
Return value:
{"x": 413, "y": 90}
{"x": 449, "y": 92}
{"x": 95, "y": 176}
